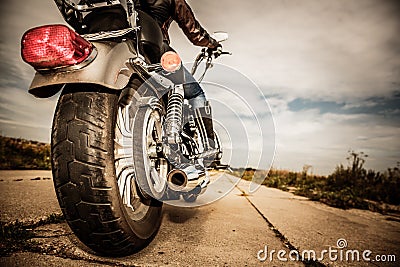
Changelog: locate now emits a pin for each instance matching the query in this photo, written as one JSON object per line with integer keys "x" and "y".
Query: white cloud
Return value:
{"x": 336, "y": 50}
{"x": 322, "y": 140}
{"x": 361, "y": 104}
{"x": 26, "y": 116}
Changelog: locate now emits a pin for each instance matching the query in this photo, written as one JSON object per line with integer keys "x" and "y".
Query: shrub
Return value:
{"x": 347, "y": 187}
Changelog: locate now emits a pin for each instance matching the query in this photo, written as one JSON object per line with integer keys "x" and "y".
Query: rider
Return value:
{"x": 166, "y": 11}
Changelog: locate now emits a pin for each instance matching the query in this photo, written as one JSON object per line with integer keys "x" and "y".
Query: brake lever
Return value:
{"x": 226, "y": 53}
{"x": 217, "y": 53}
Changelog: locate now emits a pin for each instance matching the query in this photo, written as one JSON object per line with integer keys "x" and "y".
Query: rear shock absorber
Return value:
{"x": 173, "y": 121}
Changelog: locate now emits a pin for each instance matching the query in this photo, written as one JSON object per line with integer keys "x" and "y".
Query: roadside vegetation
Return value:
{"x": 350, "y": 186}
{"x": 20, "y": 154}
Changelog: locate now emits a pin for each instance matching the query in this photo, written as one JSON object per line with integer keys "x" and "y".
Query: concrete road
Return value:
{"x": 229, "y": 232}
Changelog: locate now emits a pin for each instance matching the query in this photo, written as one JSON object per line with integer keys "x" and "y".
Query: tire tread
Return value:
{"x": 87, "y": 196}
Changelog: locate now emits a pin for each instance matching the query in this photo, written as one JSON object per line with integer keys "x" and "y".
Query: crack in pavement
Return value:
{"x": 278, "y": 234}
{"x": 66, "y": 248}
{"x": 31, "y": 236}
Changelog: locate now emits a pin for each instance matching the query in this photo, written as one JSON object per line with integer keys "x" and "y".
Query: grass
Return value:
{"x": 16, "y": 236}
{"x": 347, "y": 187}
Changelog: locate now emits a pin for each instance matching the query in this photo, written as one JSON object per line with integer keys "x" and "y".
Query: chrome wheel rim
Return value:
{"x": 124, "y": 164}
{"x": 156, "y": 168}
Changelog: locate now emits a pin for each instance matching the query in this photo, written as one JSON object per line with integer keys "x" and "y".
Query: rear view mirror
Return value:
{"x": 220, "y": 36}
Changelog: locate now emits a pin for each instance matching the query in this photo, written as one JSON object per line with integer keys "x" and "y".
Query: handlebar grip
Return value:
{"x": 220, "y": 53}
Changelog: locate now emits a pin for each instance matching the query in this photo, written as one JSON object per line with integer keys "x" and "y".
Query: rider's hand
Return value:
{"x": 216, "y": 51}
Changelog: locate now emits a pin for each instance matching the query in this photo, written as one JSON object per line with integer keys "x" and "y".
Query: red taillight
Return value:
{"x": 170, "y": 61}
{"x": 54, "y": 46}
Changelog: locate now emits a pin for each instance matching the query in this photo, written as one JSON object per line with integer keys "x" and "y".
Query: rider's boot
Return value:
{"x": 204, "y": 122}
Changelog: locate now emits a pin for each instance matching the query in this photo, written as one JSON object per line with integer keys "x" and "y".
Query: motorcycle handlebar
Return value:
{"x": 207, "y": 53}
{"x": 211, "y": 52}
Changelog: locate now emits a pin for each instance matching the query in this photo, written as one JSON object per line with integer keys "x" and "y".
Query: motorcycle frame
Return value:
{"x": 111, "y": 68}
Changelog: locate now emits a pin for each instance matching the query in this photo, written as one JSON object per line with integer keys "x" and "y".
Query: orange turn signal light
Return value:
{"x": 170, "y": 61}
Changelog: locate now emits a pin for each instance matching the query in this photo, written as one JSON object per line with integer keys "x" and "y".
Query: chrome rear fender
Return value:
{"x": 110, "y": 68}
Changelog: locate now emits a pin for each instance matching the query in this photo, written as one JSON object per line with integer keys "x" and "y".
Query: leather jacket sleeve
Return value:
{"x": 186, "y": 20}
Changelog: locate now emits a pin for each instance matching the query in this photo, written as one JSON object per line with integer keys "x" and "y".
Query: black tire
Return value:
{"x": 84, "y": 172}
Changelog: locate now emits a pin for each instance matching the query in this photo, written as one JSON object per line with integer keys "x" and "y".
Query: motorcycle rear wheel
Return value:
{"x": 95, "y": 183}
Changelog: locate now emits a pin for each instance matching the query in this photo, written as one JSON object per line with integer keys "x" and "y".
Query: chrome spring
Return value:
{"x": 173, "y": 120}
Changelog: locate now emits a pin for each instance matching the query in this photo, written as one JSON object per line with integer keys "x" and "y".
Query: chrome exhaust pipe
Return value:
{"x": 185, "y": 178}
{"x": 177, "y": 179}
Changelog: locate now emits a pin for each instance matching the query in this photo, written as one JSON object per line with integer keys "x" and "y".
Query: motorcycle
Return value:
{"x": 123, "y": 138}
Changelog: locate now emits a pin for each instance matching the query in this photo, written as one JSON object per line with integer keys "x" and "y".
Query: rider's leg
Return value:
{"x": 203, "y": 118}
{"x": 197, "y": 99}
{"x": 202, "y": 109}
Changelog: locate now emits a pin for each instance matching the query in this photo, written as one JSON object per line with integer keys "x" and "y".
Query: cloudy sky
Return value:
{"x": 330, "y": 71}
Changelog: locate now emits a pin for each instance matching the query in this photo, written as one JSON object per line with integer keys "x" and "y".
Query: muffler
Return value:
{"x": 185, "y": 178}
